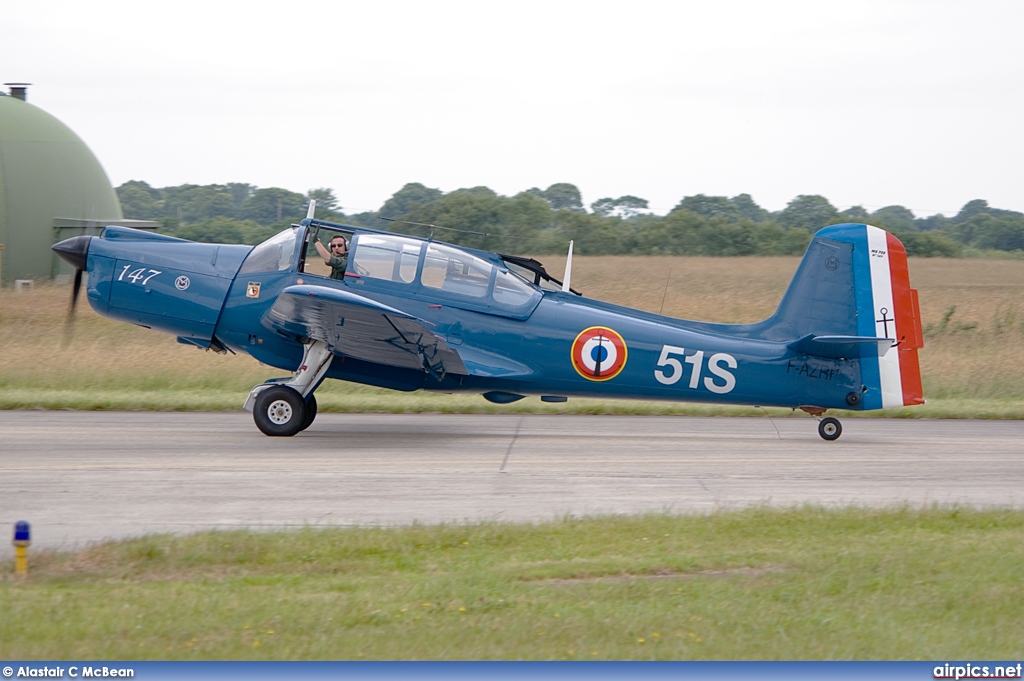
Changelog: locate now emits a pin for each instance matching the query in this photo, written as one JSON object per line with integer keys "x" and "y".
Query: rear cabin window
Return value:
{"x": 509, "y": 289}
{"x": 455, "y": 271}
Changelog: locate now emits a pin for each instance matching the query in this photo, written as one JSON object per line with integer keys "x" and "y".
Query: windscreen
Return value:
{"x": 273, "y": 255}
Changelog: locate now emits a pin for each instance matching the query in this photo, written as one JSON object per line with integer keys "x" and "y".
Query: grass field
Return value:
{"x": 758, "y": 584}
{"x": 972, "y": 364}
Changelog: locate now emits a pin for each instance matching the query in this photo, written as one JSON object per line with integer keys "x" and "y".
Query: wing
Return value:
{"x": 358, "y": 327}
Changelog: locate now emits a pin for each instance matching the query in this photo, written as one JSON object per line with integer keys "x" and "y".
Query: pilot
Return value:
{"x": 336, "y": 257}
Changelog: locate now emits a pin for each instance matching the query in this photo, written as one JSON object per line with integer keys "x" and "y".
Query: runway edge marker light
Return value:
{"x": 22, "y": 540}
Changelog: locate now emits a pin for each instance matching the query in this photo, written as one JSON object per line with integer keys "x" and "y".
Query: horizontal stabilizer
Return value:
{"x": 840, "y": 347}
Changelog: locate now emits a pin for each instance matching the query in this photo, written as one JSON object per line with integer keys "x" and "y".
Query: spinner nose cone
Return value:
{"x": 74, "y": 250}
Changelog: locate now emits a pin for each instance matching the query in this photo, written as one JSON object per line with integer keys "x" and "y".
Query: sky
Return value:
{"x": 918, "y": 103}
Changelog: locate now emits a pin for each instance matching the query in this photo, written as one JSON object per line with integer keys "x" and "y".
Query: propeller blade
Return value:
{"x": 69, "y": 322}
{"x": 75, "y": 289}
{"x": 74, "y": 292}
{"x": 74, "y": 251}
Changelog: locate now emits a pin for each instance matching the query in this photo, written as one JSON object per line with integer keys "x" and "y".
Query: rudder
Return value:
{"x": 886, "y": 307}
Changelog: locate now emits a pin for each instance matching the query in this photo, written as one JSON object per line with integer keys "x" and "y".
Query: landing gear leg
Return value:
{"x": 286, "y": 406}
{"x": 829, "y": 428}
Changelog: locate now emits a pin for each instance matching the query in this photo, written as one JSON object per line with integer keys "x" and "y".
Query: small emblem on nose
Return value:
{"x": 182, "y": 283}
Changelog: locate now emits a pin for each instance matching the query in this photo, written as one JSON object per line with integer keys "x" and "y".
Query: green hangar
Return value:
{"x": 51, "y": 187}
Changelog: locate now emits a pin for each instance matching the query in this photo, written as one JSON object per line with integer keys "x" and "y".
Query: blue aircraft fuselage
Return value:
{"x": 414, "y": 314}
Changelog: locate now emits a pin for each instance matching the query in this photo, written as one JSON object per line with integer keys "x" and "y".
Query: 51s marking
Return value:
{"x": 715, "y": 363}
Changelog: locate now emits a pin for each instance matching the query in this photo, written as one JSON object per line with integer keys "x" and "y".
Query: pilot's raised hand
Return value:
{"x": 322, "y": 250}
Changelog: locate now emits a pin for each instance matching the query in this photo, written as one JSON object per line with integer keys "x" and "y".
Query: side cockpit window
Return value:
{"x": 327, "y": 253}
{"x": 392, "y": 258}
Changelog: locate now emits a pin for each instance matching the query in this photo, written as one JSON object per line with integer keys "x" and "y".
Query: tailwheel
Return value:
{"x": 280, "y": 411}
{"x": 829, "y": 428}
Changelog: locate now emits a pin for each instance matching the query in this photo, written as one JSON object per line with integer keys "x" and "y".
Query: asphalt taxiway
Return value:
{"x": 81, "y": 477}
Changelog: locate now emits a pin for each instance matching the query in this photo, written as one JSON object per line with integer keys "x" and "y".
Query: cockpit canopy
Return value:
{"x": 439, "y": 268}
{"x": 410, "y": 266}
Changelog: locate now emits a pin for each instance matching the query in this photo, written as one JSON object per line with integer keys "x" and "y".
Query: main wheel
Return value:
{"x": 279, "y": 411}
{"x": 830, "y": 428}
{"x": 310, "y": 413}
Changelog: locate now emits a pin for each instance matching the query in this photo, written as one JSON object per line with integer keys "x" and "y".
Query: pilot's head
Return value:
{"x": 339, "y": 245}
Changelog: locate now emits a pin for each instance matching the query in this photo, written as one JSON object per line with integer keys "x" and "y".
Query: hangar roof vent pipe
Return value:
{"x": 19, "y": 90}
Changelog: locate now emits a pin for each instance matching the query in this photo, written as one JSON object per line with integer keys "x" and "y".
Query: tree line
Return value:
{"x": 540, "y": 221}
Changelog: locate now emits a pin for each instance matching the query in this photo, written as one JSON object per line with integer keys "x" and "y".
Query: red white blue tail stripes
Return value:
{"x": 887, "y": 308}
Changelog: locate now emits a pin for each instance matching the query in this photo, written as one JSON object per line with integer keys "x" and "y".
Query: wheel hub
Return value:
{"x": 279, "y": 412}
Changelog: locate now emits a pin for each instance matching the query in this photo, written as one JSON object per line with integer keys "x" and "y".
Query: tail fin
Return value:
{"x": 853, "y": 284}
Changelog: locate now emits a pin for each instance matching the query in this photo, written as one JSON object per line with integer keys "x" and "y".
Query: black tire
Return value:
{"x": 279, "y": 411}
{"x": 830, "y": 428}
{"x": 310, "y": 413}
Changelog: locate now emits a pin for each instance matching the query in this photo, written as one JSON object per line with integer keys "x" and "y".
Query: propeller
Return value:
{"x": 75, "y": 252}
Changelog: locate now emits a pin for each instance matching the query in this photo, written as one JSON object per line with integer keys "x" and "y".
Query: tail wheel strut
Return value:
{"x": 829, "y": 428}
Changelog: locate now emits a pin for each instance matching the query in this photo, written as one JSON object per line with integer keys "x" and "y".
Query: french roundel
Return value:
{"x": 598, "y": 353}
